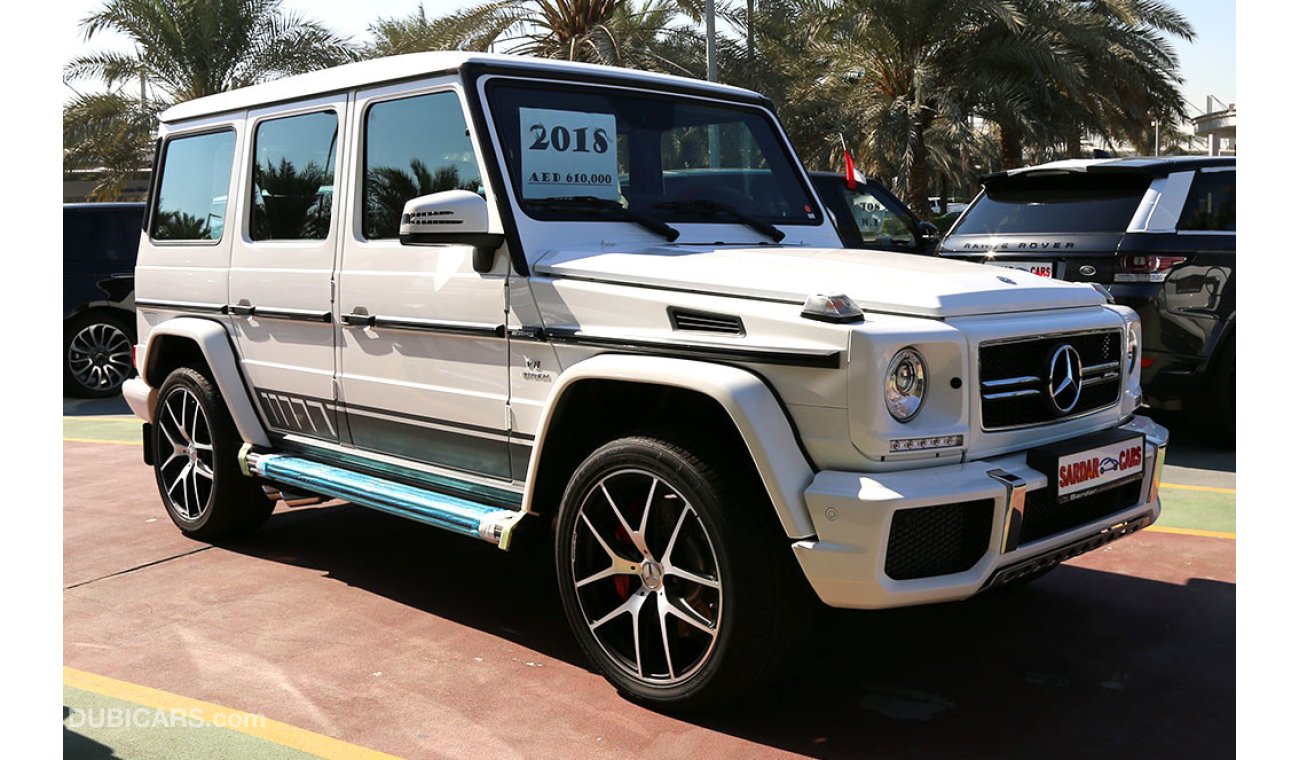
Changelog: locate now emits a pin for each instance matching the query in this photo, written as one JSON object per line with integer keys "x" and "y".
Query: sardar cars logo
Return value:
{"x": 1086, "y": 470}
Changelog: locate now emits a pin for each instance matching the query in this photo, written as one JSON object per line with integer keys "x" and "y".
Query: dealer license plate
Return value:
{"x": 1086, "y": 472}
{"x": 1040, "y": 268}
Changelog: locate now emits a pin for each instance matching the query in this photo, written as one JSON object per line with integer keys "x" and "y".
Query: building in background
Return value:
{"x": 1218, "y": 127}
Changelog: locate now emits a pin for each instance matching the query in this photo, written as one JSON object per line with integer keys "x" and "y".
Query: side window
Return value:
{"x": 1211, "y": 203}
{"x": 191, "y": 203}
{"x": 878, "y": 225}
{"x": 293, "y": 177}
{"x": 414, "y": 146}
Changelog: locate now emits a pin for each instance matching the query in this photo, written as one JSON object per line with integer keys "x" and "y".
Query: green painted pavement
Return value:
{"x": 124, "y": 429}
{"x": 95, "y": 726}
{"x": 1199, "y": 510}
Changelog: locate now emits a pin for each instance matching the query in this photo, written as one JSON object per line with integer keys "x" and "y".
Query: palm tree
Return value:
{"x": 201, "y": 47}
{"x": 184, "y": 49}
{"x": 907, "y": 68}
{"x": 1101, "y": 67}
{"x": 610, "y": 32}
{"x": 109, "y": 135}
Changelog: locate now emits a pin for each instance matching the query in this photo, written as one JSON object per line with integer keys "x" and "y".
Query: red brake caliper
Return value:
{"x": 624, "y": 584}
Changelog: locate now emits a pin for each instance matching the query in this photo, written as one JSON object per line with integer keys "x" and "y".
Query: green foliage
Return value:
{"x": 188, "y": 49}
{"x": 109, "y": 135}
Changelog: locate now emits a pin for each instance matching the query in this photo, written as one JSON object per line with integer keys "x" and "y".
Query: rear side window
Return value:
{"x": 414, "y": 146}
{"x": 1212, "y": 203}
{"x": 293, "y": 177}
{"x": 1073, "y": 203}
{"x": 191, "y": 203}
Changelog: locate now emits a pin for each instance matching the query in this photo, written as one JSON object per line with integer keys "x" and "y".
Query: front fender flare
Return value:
{"x": 214, "y": 343}
{"x": 752, "y": 406}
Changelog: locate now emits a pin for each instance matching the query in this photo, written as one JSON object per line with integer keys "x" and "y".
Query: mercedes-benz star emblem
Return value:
{"x": 1065, "y": 378}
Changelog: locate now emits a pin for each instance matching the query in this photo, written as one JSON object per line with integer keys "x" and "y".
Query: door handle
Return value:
{"x": 243, "y": 309}
{"x": 357, "y": 319}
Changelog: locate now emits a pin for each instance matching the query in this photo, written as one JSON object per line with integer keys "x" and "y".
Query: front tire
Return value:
{"x": 195, "y": 452}
{"x": 671, "y": 575}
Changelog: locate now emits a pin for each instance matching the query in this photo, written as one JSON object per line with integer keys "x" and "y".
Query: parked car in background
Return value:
{"x": 867, "y": 215}
{"x": 1159, "y": 233}
{"x": 99, "y": 248}
{"x": 954, "y": 206}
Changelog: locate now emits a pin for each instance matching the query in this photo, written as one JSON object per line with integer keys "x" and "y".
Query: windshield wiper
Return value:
{"x": 706, "y": 207}
{"x": 592, "y": 203}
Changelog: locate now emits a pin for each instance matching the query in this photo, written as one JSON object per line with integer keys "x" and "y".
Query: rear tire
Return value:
{"x": 195, "y": 452}
{"x": 97, "y": 354}
{"x": 673, "y": 578}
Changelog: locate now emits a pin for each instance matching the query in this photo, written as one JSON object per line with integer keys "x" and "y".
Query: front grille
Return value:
{"x": 939, "y": 540}
{"x": 1044, "y": 517}
{"x": 1014, "y": 378}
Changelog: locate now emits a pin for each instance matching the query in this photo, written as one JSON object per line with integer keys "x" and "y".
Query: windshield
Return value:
{"x": 646, "y": 152}
{"x": 1072, "y": 203}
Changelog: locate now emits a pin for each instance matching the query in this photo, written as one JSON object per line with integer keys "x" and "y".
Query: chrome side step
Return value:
{"x": 468, "y": 518}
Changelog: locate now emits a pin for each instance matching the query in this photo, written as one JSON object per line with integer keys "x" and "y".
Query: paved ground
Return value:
{"x": 344, "y": 628}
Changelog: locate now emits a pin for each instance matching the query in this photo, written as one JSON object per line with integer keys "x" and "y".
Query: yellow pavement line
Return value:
{"x": 101, "y": 440}
{"x": 1193, "y": 532}
{"x": 1208, "y": 489}
{"x": 236, "y": 720}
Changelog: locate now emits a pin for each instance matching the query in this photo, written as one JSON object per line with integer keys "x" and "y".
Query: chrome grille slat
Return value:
{"x": 1013, "y": 394}
{"x": 1024, "y": 380}
{"x": 1013, "y": 376}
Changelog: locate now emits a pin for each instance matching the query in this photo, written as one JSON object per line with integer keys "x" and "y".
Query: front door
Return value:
{"x": 282, "y": 265}
{"x": 423, "y": 353}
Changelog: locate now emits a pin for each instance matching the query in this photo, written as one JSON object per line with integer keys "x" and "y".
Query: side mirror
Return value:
{"x": 452, "y": 216}
{"x": 929, "y": 232}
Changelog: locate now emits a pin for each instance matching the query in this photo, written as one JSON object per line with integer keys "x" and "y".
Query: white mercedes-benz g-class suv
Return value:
{"x": 531, "y": 300}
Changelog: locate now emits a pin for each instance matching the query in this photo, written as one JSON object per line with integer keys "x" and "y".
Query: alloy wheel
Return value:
{"x": 646, "y": 577}
{"x": 186, "y": 472}
{"x": 99, "y": 356}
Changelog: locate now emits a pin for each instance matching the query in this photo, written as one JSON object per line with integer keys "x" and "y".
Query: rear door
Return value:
{"x": 282, "y": 265}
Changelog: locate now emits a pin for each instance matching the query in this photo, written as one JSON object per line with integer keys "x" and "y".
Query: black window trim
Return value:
{"x": 252, "y": 125}
{"x": 764, "y": 110}
{"x": 156, "y": 191}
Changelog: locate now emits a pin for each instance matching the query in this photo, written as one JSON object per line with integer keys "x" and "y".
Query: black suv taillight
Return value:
{"x": 1146, "y": 268}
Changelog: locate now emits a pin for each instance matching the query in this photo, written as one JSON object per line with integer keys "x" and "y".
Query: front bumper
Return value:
{"x": 853, "y": 514}
{"x": 140, "y": 397}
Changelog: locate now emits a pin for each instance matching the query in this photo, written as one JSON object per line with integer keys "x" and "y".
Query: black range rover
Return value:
{"x": 1158, "y": 233}
{"x": 99, "y": 248}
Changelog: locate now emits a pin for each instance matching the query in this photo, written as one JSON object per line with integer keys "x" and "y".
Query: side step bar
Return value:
{"x": 468, "y": 518}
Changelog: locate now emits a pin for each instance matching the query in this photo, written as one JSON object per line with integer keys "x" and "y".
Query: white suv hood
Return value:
{"x": 897, "y": 283}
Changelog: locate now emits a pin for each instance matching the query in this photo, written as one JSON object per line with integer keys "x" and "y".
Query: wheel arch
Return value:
{"x": 702, "y": 390}
{"x": 190, "y": 340}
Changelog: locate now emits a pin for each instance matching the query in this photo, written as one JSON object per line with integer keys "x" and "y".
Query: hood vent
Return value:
{"x": 703, "y": 321}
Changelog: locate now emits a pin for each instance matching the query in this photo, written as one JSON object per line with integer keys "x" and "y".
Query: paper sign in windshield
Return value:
{"x": 568, "y": 153}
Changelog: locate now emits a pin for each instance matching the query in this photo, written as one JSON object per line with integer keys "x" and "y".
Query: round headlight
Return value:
{"x": 1134, "y": 347}
{"x": 905, "y": 384}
